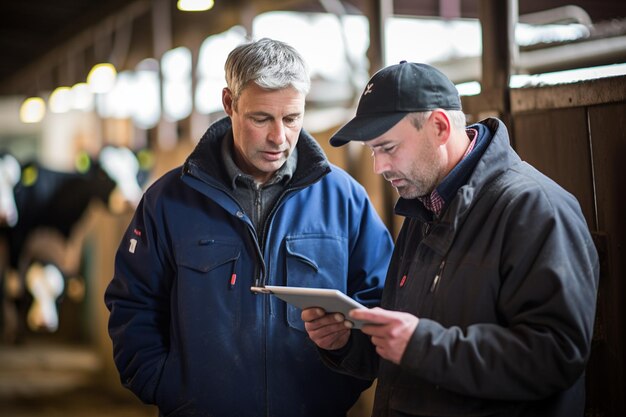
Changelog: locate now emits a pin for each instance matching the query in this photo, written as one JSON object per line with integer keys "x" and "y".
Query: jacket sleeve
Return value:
{"x": 358, "y": 358}
{"x": 138, "y": 301}
{"x": 548, "y": 277}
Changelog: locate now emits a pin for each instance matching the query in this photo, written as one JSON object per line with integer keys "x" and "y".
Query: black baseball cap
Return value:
{"x": 392, "y": 93}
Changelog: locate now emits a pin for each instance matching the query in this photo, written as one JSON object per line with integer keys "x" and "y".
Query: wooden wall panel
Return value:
{"x": 582, "y": 147}
{"x": 556, "y": 143}
{"x": 606, "y": 379}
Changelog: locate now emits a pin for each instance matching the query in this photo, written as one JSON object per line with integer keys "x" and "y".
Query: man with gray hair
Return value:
{"x": 257, "y": 202}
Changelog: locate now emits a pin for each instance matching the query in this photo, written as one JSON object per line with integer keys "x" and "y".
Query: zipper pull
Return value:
{"x": 233, "y": 275}
{"x": 435, "y": 283}
{"x": 257, "y": 282}
{"x": 403, "y": 280}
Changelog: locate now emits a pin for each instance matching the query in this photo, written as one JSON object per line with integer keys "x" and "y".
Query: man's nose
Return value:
{"x": 380, "y": 164}
{"x": 277, "y": 133}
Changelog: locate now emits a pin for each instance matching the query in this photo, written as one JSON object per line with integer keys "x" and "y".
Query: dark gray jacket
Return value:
{"x": 506, "y": 329}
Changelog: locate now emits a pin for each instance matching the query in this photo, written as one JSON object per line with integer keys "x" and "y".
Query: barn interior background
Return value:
{"x": 554, "y": 71}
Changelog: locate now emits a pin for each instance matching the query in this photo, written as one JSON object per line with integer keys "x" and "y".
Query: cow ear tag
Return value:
{"x": 83, "y": 162}
{"x": 146, "y": 159}
{"x": 29, "y": 175}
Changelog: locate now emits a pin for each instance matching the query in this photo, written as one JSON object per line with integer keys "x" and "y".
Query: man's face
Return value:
{"x": 266, "y": 126}
{"x": 407, "y": 158}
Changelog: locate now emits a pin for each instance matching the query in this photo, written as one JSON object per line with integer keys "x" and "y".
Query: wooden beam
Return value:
{"x": 498, "y": 19}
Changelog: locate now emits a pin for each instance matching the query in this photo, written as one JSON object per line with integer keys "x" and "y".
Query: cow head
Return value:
{"x": 116, "y": 176}
{"x": 124, "y": 168}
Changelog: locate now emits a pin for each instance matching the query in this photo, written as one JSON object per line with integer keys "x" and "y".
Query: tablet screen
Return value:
{"x": 331, "y": 300}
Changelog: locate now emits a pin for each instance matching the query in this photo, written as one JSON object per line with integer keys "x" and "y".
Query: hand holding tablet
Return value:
{"x": 332, "y": 301}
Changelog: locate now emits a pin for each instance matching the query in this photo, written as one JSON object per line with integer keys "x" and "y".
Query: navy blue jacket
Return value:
{"x": 191, "y": 341}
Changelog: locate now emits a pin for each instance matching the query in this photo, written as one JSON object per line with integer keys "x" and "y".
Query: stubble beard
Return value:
{"x": 420, "y": 182}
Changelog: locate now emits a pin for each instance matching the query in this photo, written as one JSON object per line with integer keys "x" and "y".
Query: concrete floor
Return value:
{"x": 48, "y": 380}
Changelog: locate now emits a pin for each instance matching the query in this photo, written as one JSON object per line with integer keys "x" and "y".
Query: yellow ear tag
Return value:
{"x": 146, "y": 159}
{"x": 29, "y": 175}
{"x": 83, "y": 162}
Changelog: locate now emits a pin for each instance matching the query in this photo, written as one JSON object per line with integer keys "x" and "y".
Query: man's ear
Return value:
{"x": 440, "y": 125}
{"x": 227, "y": 101}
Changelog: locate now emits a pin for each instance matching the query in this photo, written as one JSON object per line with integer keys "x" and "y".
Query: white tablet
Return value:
{"x": 333, "y": 301}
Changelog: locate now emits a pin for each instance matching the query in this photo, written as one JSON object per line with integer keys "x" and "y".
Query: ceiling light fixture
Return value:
{"x": 33, "y": 110}
{"x": 101, "y": 78}
{"x": 195, "y": 5}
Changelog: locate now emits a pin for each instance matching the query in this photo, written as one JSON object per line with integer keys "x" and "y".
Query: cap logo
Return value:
{"x": 368, "y": 89}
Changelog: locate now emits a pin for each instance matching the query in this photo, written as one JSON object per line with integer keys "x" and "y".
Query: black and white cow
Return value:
{"x": 10, "y": 174}
{"x": 51, "y": 203}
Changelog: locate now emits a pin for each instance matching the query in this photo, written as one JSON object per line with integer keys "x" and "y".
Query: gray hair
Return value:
{"x": 269, "y": 63}
{"x": 457, "y": 118}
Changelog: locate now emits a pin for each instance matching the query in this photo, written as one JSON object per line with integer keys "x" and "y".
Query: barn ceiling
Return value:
{"x": 40, "y": 36}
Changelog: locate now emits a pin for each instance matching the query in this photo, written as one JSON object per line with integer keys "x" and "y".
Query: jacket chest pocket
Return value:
{"x": 204, "y": 286}
{"x": 318, "y": 261}
{"x": 417, "y": 283}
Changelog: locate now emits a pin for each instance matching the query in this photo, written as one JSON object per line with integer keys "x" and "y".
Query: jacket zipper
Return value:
{"x": 259, "y": 240}
{"x": 261, "y": 281}
{"x": 437, "y": 278}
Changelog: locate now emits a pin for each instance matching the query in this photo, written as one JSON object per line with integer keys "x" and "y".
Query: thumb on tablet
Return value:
{"x": 372, "y": 315}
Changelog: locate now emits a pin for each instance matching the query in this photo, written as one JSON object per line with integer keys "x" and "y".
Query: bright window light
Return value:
{"x": 526, "y": 34}
{"x": 147, "y": 107}
{"x": 406, "y": 39}
{"x": 101, "y": 78}
{"x": 569, "y": 76}
{"x": 60, "y": 100}
{"x": 177, "y": 97}
{"x": 306, "y": 32}
{"x": 471, "y": 88}
{"x": 210, "y": 70}
{"x": 177, "y": 102}
{"x": 176, "y": 63}
{"x": 82, "y": 97}
{"x": 120, "y": 101}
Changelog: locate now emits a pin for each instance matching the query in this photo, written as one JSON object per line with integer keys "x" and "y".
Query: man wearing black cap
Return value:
{"x": 490, "y": 296}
